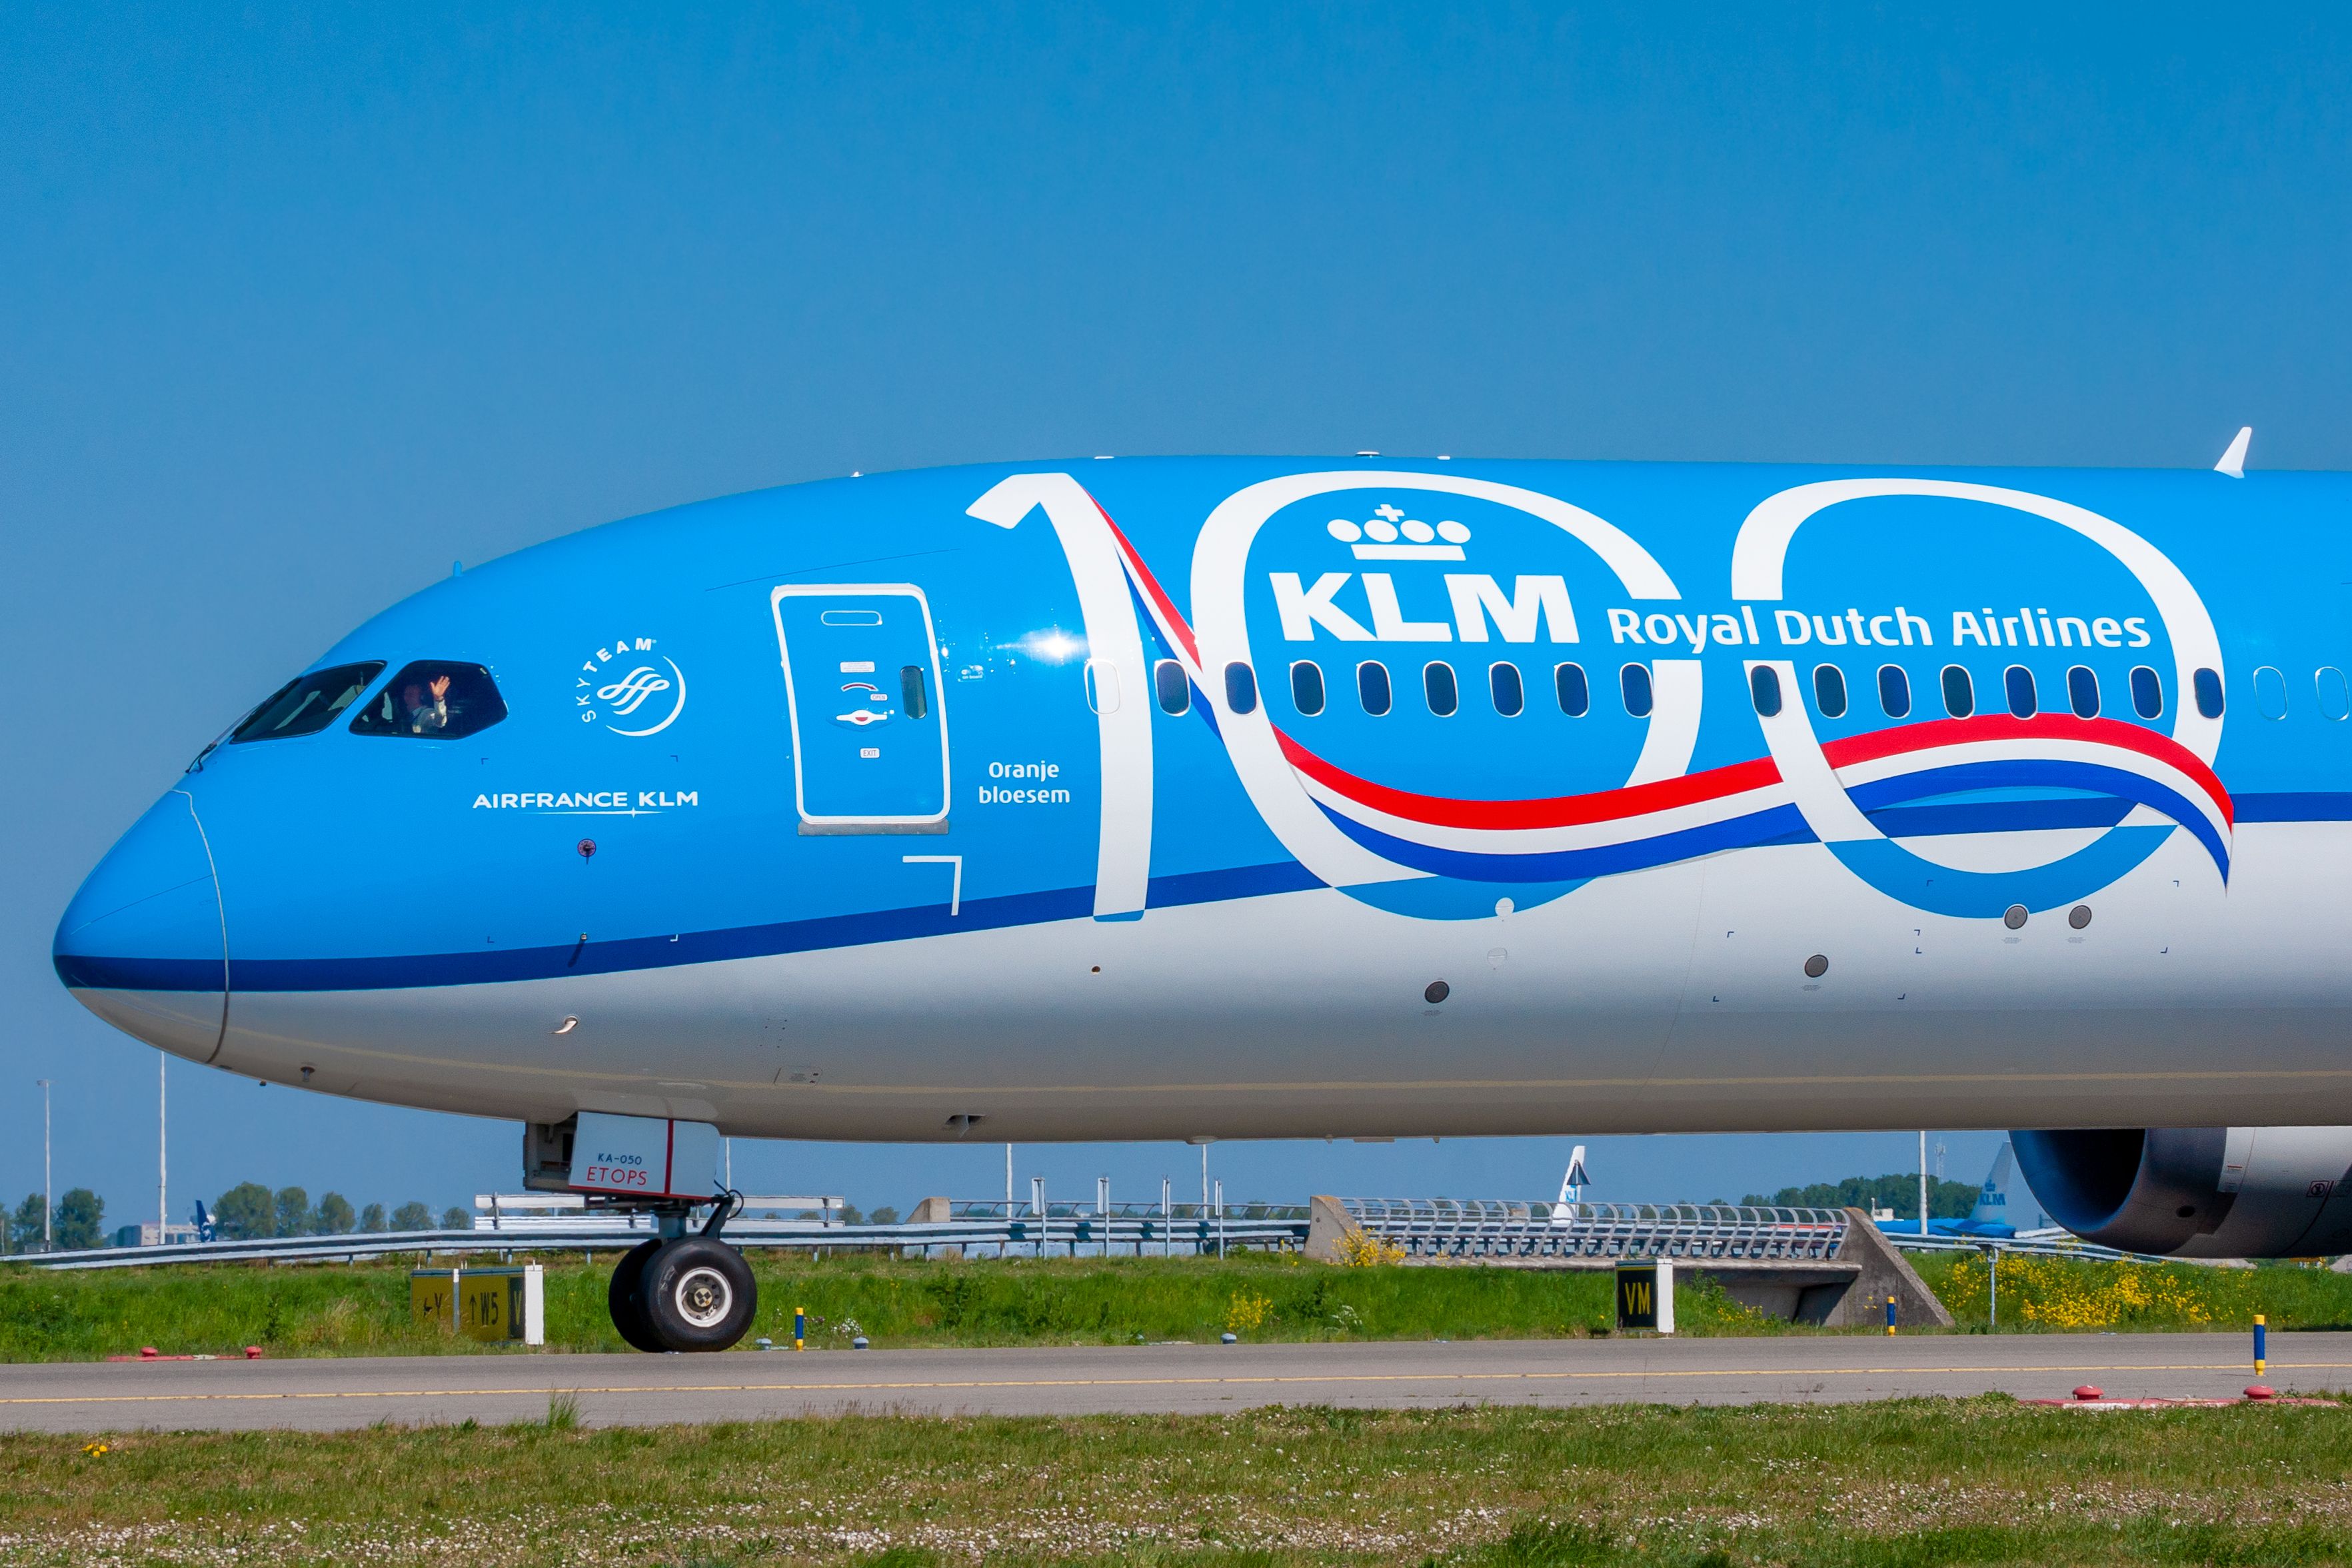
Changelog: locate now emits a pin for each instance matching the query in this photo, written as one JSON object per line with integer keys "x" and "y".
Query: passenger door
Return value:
{"x": 869, "y": 722}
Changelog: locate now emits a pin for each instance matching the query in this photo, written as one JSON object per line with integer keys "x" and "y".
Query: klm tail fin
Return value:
{"x": 1994, "y": 1207}
{"x": 1572, "y": 1186}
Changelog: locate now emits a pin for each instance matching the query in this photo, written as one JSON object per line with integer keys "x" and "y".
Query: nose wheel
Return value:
{"x": 627, "y": 1305}
{"x": 693, "y": 1292}
{"x": 699, "y": 1294}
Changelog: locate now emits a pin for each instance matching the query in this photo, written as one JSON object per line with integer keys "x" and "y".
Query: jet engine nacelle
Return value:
{"x": 2196, "y": 1192}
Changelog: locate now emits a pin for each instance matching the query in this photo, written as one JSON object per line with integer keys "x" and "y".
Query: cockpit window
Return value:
{"x": 434, "y": 699}
{"x": 307, "y": 704}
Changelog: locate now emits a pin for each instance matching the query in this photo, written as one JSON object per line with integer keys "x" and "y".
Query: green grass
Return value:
{"x": 2075, "y": 1295}
{"x": 1903, "y": 1483}
{"x": 323, "y": 1310}
{"x": 335, "y": 1310}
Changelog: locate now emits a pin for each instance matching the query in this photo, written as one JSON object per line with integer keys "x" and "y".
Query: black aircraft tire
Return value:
{"x": 699, "y": 1294}
{"x": 626, "y": 1297}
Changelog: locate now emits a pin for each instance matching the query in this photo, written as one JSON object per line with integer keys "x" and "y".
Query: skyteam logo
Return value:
{"x": 628, "y": 694}
{"x": 629, "y": 688}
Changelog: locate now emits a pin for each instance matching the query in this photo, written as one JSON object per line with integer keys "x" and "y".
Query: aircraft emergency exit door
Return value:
{"x": 869, "y": 722}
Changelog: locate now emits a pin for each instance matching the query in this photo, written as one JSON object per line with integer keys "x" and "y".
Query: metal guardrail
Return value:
{"x": 1426, "y": 1228}
{"x": 521, "y": 1210}
{"x": 1141, "y": 1210}
{"x": 2028, "y": 1246}
{"x": 1539, "y": 1228}
{"x": 277, "y": 1248}
{"x": 1055, "y": 1235}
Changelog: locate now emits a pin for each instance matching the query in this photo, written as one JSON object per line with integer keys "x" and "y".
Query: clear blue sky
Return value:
{"x": 302, "y": 304}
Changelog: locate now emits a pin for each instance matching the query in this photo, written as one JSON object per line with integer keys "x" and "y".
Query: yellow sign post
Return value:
{"x": 486, "y": 1304}
{"x": 1645, "y": 1295}
{"x": 432, "y": 1297}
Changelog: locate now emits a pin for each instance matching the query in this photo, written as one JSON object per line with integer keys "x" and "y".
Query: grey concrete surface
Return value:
{"x": 322, "y": 1395}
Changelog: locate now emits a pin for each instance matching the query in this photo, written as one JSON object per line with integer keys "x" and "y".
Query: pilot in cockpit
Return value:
{"x": 426, "y": 706}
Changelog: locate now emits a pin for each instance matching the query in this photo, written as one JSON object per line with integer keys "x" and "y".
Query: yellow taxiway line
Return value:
{"x": 1290, "y": 1380}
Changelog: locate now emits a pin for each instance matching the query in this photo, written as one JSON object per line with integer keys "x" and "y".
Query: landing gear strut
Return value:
{"x": 681, "y": 1291}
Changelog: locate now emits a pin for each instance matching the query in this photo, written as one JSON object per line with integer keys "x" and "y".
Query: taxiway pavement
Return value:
{"x": 642, "y": 1390}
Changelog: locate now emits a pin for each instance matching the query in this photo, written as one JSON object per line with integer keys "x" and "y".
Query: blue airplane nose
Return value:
{"x": 145, "y": 944}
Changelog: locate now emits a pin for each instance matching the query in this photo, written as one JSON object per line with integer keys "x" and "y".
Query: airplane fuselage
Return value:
{"x": 1231, "y": 797}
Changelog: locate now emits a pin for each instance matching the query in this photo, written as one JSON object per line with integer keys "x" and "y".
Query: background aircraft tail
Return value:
{"x": 1994, "y": 1207}
{"x": 1571, "y": 1186}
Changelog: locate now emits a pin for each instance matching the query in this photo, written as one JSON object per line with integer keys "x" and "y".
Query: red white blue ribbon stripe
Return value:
{"x": 1744, "y": 804}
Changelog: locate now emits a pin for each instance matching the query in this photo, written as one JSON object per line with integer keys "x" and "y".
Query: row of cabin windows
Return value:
{"x": 2018, "y": 690}
{"x": 2021, "y": 696}
{"x": 1506, "y": 690}
{"x": 1440, "y": 688}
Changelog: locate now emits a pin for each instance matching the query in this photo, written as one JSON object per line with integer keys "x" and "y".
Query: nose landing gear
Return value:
{"x": 698, "y": 1294}
{"x": 684, "y": 1292}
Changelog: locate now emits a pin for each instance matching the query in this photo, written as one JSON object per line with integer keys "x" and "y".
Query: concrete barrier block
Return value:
{"x": 1884, "y": 1273}
{"x": 1326, "y": 1226}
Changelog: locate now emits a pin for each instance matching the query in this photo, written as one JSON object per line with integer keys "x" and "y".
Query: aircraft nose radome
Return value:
{"x": 142, "y": 945}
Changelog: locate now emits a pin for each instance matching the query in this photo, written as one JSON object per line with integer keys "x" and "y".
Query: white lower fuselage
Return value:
{"x": 1673, "y": 999}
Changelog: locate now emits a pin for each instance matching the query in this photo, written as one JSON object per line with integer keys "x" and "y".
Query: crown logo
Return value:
{"x": 1379, "y": 537}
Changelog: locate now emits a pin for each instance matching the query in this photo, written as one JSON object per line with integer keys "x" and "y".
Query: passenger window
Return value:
{"x": 1634, "y": 684}
{"x": 1307, "y": 688}
{"x": 914, "y": 691}
{"x": 1174, "y": 687}
{"x": 1894, "y": 691}
{"x": 1241, "y": 688}
{"x": 1102, "y": 686}
{"x": 1510, "y": 694}
{"x": 1437, "y": 686}
{"x": 2269, "y": 693}
{"x": 434, "y": 699}
{"x": 1764, "y": 689}
{"x": 2207, "y": 683}
{"x": 1372, "y": 686}
{"x": 2082, "y": 692}
{"x": 1829, "y": 690}
{"x": 1575, "y": 693}
{"x": 2016, "y": 685}
{"x": 308, "y": 704}
{"x": 2335, "y": 697}
{"x": 2148, "y": 691}
{"x": 1959, "y": 692}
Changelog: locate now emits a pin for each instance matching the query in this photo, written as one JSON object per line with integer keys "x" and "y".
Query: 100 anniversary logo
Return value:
{"x": 1378, "y": 820}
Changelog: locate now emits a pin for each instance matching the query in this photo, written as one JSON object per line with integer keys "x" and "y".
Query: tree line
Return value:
{"x": 77, "y": 1222}
{"x": 246, "y": 1212}
{"x": 1946, "y": 1199}
{"x": 249, "y": 1211}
